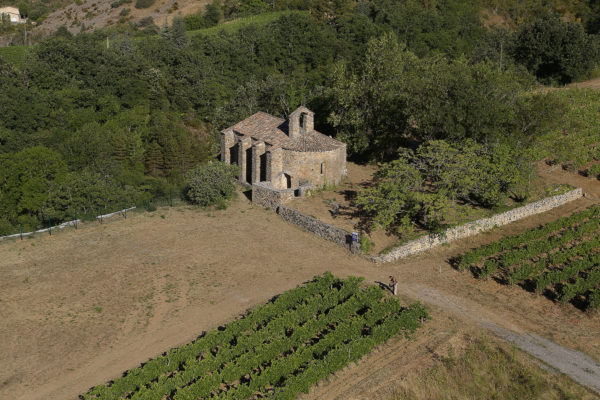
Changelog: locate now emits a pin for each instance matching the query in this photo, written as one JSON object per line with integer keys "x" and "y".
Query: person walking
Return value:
{"x": 393, "y": 285}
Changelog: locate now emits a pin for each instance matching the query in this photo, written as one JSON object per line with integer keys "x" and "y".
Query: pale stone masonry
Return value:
{"x": 12, "y": 14}
{"x": 319, "y": 228}
{"x": 283, "y": 155}
{"x": 473, "y": 228}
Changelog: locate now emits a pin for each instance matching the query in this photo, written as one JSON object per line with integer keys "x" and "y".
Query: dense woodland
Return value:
{"x": 83, "y": 126}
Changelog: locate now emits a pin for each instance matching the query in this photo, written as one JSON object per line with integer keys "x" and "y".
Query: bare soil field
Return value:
{"x": 81, "y": 306}
{"x": 590, "y": 84}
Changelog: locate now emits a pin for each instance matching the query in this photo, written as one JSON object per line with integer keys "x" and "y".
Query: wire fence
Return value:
{"x": 98, "y": 214}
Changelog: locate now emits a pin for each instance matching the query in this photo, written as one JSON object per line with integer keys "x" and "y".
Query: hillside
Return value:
{"x": 96, "y": 14}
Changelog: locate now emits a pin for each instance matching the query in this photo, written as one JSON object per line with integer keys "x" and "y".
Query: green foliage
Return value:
{"x": 451, "y": 27}
{"x": 119, "y": 3}
{"x": 395, "y": 94}
{"x": 144, "y": 3}
{"x": 365, "y": 244}
{"x": 419, "y": 187}
{"x": 14, "y": 55}
{"x": 214, "y": 13}
{"x": 211, "y": 183}
{"x": 575, "y": 141}
{"x": 555, "y": 51}
{"x": 560, "y": 256}
{"x": 594, "y": 171}
{"x": 283, "y": 347}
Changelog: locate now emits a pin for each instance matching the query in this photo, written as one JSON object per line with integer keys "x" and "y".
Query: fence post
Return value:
{"x": 171, "y": 197}
{"x": 125, "y": 212}
{"x": 100, "y": 212}
{"x": 21, "y": 231}
{"x": 50, "y": 226}
{"x": 75, "y": 220}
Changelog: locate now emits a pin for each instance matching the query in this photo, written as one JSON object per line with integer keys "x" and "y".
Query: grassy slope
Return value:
{"x": 14, "y": 54}
{"x": 489, "y": 370}
{"x": 237, "y": 24}
{"x": 576, "y": 143}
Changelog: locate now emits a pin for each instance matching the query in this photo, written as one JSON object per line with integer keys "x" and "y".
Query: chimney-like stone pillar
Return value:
{"x": 244, "y": 144}
{"x": 227, "y": 142}
{"x": 257, "y": 150}
{"x": 302, "y": 120}
{"x": 294, "y": 125}
{"x": 307, "y": 122}
{"x": 275, "y": 170}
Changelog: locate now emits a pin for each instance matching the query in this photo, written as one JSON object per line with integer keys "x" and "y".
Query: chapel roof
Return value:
{"x": 274, "y": 131}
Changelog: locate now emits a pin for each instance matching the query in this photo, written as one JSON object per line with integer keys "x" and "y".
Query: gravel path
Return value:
{"x": 576, "y": 365}
{"x": 579, "y": 367}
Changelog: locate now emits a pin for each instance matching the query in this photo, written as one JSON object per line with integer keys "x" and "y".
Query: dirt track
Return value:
{"x": 80, "y": 307}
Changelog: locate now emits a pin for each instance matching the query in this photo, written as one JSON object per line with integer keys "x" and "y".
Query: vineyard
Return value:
{"x": 575, "y": 144}
{"x": 560, "y": 259}
{"x": 276, "y": 350}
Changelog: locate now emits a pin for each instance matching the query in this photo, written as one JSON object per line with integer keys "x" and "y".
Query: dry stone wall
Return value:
{"x": 319, "y": 228}
{"x": 473, "y": 228}
{"x": 265, "y": 195}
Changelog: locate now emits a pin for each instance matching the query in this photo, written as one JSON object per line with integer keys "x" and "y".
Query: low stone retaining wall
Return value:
{"x": 475, "y": 227}
{"x": 121, "y": 212}
{"x": 61, "y": 226}
{"x": 65, "y": 224}
{"x": 265, "y": 195}
{"x": 319, "y": 228}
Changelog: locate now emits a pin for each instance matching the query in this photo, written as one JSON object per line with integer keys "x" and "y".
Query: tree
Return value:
{"x": 555, "y": 51}
{"x": 214, "y": 13}
{"x": 419, "y": 187}
{"x": 211, "y": 183}
{"x": 25, "y": 180}
{"x": 369, "y": 108}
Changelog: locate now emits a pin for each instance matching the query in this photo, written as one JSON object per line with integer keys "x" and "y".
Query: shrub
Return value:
{"x": 144, "y": 3}
{"x": 554, "y": 50}
{"x": 365, "y": 244}
{"x": 119, "y": 3}
{"x": 594, "y": 171}
{"x": 124, "y": 12}
{"x": 211, "y": 183}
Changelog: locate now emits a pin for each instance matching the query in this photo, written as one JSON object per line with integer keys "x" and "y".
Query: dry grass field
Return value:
{"x": 81, "y": 306}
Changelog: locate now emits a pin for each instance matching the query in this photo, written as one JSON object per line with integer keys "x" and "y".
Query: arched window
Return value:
{"x": 303, "y": 121}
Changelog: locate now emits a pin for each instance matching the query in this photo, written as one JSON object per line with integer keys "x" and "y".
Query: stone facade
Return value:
{"x": 13, "y": 14}
{"x": 283, "y": 154}
{"x": 319, "y": 228}
{"x": 473, "y": 228}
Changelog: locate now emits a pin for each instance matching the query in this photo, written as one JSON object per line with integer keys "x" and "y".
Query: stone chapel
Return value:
{"x": 283, "y": 155}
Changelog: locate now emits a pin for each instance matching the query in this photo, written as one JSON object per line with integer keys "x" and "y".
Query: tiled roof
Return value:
{"x": 274, "y": 131}
{"x": 312, "y": 141}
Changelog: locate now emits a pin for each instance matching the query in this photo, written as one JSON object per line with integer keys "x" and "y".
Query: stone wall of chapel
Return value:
{"x": 316, "y": 168}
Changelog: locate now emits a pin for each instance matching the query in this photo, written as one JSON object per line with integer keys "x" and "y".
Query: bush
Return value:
{"x": 211, "y": 183}
{"x": 594, "y": 171}
{"x": 555, "y": 51}
{"x": 365, "y": 244}
{"x": 119, "y": 3}
{"x": 144, "y": 3}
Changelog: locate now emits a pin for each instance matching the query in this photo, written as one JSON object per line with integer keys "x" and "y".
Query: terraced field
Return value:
{"x": 560, "y": 259}
{"x": 276, "y": 350}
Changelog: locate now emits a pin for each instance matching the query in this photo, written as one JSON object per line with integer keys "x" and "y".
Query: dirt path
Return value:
{"x": 576, "y": 365}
